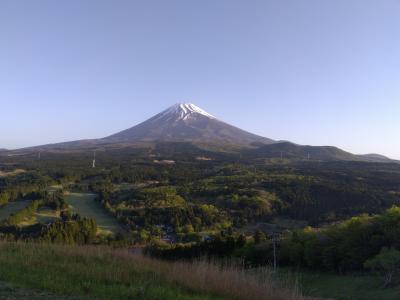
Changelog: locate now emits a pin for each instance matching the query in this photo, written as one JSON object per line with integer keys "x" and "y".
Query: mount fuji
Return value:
{"x": 189, "y": 123}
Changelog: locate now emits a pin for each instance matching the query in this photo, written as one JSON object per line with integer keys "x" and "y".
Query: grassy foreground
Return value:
{"x": 103, "y": 273}
{"x": 11, "y": 292}
{"x": 354, "y": 287}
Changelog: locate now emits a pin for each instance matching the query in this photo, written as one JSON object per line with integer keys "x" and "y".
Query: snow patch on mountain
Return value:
{"x": 184, "y": 111}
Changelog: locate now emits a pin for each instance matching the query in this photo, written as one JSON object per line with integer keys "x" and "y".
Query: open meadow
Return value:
{"x": 90, "y": 272}
{"x": 86, "y": 205}
{"x": 12, "y": 207}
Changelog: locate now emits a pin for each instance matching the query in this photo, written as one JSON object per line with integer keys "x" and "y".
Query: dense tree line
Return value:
{"x": 71, "y": 231}
{"x": 343, "y": 247}
{"x": 360, "y": 243}
{"x": 220, "y": 246}
{"x": 74, "y": 230}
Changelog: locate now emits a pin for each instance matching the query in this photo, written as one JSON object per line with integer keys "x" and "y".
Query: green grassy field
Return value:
{"x": 96, "y": 272}
{"x": 86, "y": 273}
{"x": 346, "y": 287}
{"x": 11, "y": 208}
{"x": 54, "y": 188}
{"x": 86, "y": 206}
{"x": 12, "y": 292}
{"x": 43, "y": 215}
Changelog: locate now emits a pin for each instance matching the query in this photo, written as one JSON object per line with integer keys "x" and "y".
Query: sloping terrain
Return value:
{"x": 186, "y": 122}
{"x": 291, "y": 151}
{"x": 91, "y": 272}
{"x": 376, "y": 158}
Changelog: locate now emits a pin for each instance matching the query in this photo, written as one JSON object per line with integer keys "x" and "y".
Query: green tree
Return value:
{"x": 259, "y": 237}
{"x": 387, "y": 262}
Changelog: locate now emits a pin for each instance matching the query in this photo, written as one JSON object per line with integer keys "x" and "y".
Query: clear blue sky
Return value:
{"x": 309, "y": 71}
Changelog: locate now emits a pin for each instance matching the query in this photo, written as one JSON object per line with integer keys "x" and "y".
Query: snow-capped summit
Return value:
{"x": 186, "y": 122}
{"x": 185, "y": 110}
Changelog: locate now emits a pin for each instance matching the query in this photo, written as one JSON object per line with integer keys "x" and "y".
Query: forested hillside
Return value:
{"x": 179, "y": 201}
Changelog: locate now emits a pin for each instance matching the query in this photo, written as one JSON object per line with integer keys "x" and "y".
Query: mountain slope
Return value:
{"x": 186, "y": 122}
{"x": 376, "y": 158}
{"x": 287, "y": 150}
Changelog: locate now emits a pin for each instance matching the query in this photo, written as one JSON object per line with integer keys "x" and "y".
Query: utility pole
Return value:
{"x": 275, "y": 238}
{"x": 94, "y": 159}
{"x": 274, "y": 245}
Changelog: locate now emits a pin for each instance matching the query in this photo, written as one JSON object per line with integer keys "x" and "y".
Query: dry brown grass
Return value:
{"x": 230, "y": 281}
